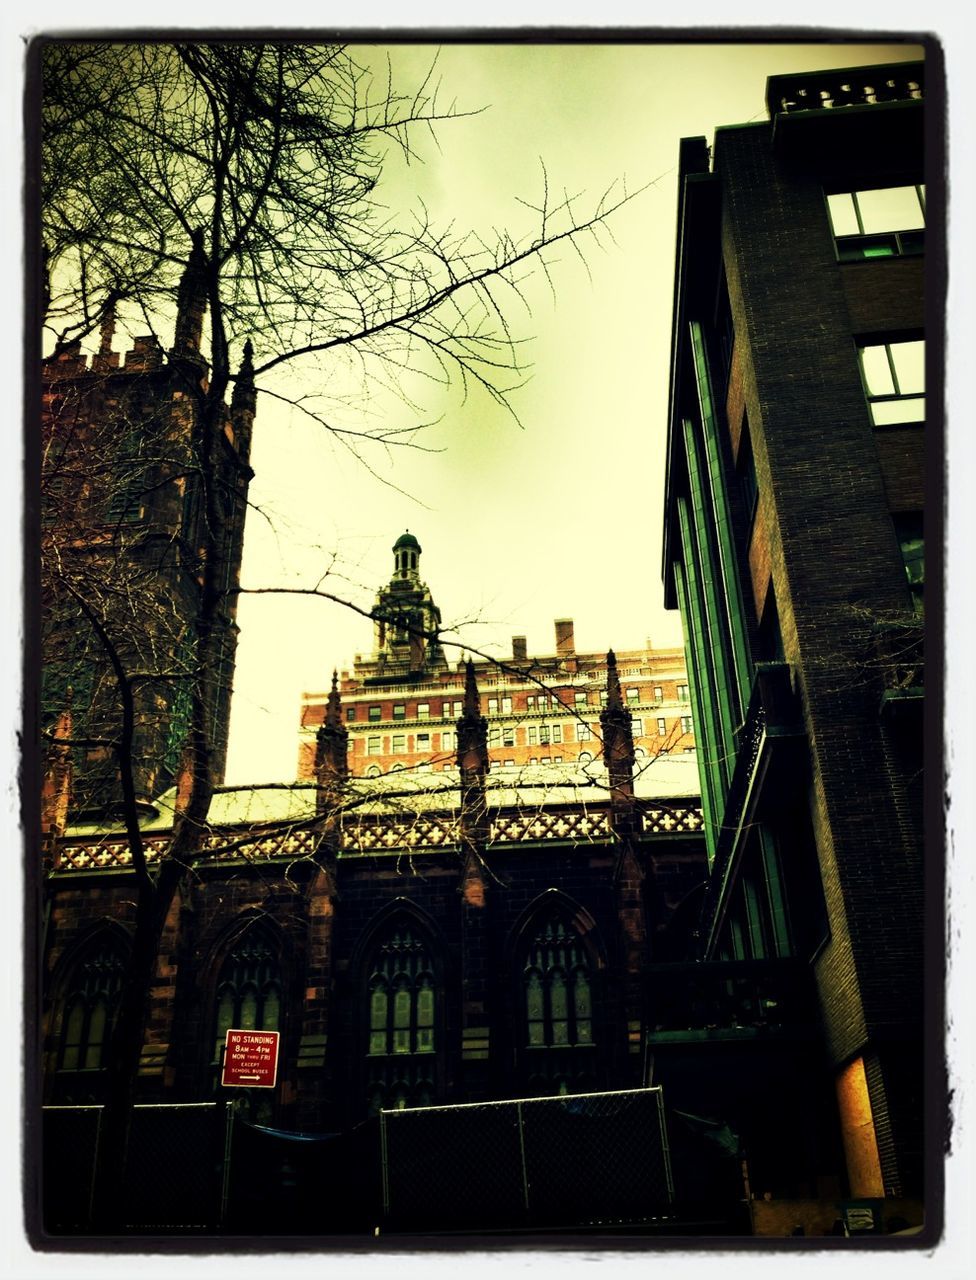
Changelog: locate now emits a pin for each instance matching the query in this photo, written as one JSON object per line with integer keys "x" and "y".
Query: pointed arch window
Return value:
{"x": 403, "y": 1038}
{"x": 248, "y": 988}
{"x": 90, "y": 1005}
{"x": 557, "y": 1036}
{"x": 557, "y": 985}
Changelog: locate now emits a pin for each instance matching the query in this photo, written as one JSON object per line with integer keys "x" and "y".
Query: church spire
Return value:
{"x": 191, "y": 301}
{"x": 473, "y": 763}
{"x": 331, "y": 747}
{"x": 618, "y": 745}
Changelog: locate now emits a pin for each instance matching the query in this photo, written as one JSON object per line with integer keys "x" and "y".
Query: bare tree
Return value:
{"x": 266, "y": 158}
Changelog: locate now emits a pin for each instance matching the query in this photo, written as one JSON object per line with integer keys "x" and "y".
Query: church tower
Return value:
{"x": 122, "y": 517}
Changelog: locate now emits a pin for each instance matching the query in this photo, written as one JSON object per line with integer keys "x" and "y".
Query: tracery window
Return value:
{"x": 402, "y": 1020}
{"x": 558, "y": 1039}
{"x": 90, "y": 1006}
{"x": 248, "y": 988}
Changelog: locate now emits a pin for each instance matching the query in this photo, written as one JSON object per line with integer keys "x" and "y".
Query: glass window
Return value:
{"x": 636, "y": 725}
{"x": 399, "y": 711}
{"x": 533, "y": 735}
{"x": 401, "y": 1011}
{"x": 376, "y": 713}
{"x": 248, "y": 988}
{"x": 508, "y": 737}
{"x": 447, "y": 740}
{"x": 350, "y": 713}
{"x": 557, "y": 989}
{"x": 894, "y": 380}
{"x": 686, "y": 724}
{"x": 493, "y": 706}
{"x": 494, "y": 737}
{"x": 506, "y": 706}
{"x": 683, "y": 692}
{"x": 543, "y": 735}
{"x": 423, "y": 741}
{"x": 423, "y": 710}
{"x": 557, "y": 733}
{"x": 582, "y": 732}
{"x": 530, "y": 702}
{"x": 90, "y": 1007}
{"x": 579, "y": 699}
{"x": 662, "y": 727}
{"x": 633, "y": 695}
{"x": 658, "y": 693}
{"x": 884, "y": 222}
{"x": 399, "y": 743}
{"x": 374, "y": 746}
{"x": 911, "y": 540}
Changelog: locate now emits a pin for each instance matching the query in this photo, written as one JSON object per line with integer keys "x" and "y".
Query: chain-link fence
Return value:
{"x": 585, "y": 1160}
{"x": 173, "y": 1168}
{"x": 592, "y": 1159}
{"x": 69, "y": 1144}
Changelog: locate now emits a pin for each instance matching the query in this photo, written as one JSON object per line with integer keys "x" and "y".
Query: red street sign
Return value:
{"x": 250, "y": 1059}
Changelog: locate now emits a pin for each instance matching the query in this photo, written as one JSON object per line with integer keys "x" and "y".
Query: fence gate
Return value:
{"x": 593, "y": 1159}
{"x": 173, "y": 1168}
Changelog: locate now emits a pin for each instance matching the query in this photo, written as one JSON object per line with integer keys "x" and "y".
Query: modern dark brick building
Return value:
{"x": 793, "y": 548}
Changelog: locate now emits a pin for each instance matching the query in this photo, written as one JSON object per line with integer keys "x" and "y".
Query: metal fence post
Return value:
{"x": 525, "y": 1171}
{"x": 384, "y": 1166}
{"x": 94, "y": 1166}
{"x": 229, "y": 1111}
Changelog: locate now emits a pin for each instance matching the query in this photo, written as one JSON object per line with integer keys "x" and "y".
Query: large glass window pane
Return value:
{"x": 887, "y": 413}
{"x": 877, "y": 371}
{"x": 535, "y": 1010}
{"x": 843, "y": 219}
{"x": 96, "y": 1034}
{"x": 269, "y": 1015}
{"x": 557, "y": 997}
{"x": 249, "y": 1010}
{"x": 73, "y": 1036}
{"x": 890, "y": 209}
{"x": 909, "y": 360}
{"x": 582, "y": 1009}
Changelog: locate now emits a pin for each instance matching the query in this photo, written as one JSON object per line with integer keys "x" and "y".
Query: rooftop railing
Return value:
{"x": 852, "y": 87}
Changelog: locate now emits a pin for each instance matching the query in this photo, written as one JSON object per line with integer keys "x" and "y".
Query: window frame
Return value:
{"x": 900, "y": 242}
{"x": 897, "y": 396}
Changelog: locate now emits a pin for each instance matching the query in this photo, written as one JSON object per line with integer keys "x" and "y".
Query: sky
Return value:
{"x": 554, "y": 510}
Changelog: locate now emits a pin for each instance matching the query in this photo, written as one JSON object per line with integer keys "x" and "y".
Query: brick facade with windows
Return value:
{"x": 794, "y": 551}
{"x": 542, "y": 709}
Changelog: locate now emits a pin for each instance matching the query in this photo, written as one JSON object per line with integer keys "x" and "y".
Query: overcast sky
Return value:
{"x": 558, "y": 514}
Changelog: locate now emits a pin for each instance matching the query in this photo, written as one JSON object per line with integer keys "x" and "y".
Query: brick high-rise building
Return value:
{"x": 401, "y": 704}
{"x": 793, "y": 548}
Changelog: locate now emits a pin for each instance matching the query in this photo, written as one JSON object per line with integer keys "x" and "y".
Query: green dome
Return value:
{"x": 406, "y": 540}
